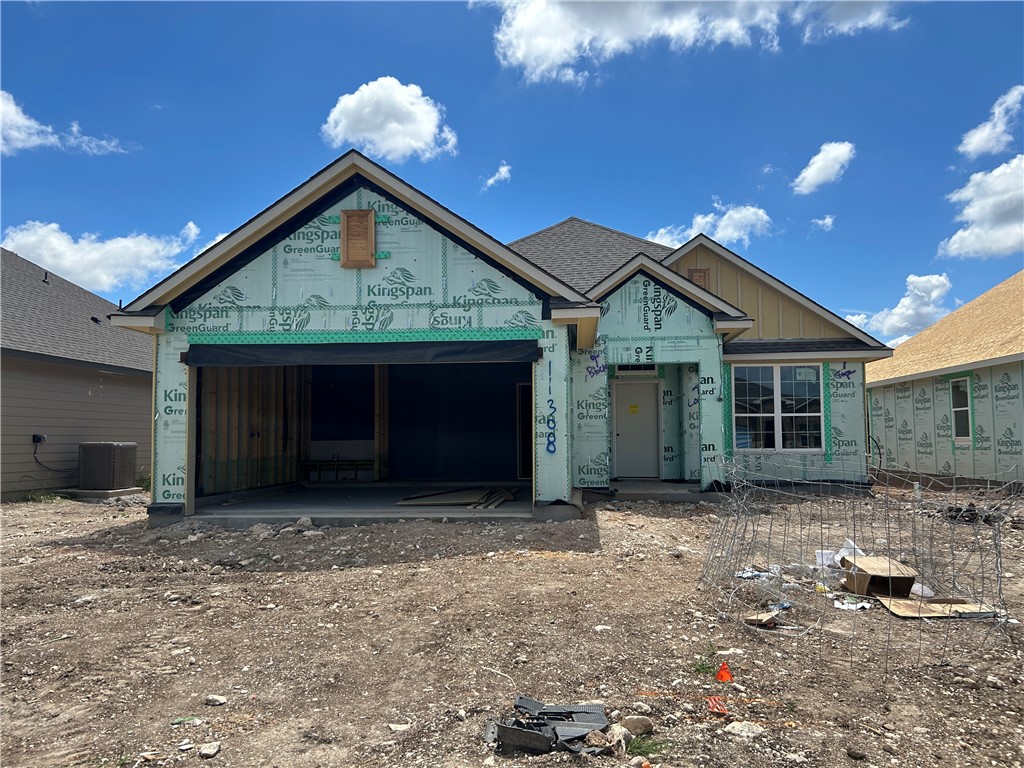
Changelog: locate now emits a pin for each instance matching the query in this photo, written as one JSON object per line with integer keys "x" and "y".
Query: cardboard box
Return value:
{"x": 939, "y": 608}
{"x": 878, "y": 576}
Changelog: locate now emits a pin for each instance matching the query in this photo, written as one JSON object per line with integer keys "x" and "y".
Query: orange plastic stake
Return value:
{"x": 724, "y": 675}
{"x": 717, "y": 705}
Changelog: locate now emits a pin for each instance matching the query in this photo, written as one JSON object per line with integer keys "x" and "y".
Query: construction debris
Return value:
{"x": 470, "y": 498}
{"x": 541, "y": 728}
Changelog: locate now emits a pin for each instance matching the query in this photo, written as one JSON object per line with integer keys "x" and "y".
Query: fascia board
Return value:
{"x": 729, "y": 325}
{"x": 570, "y": 314}
{"x": 1014, "y": 358}
{"x": 740, "y": 263}
{"x": 866, "y": 355}
{"x": 348, "y": 165}
{"x": 144, "y": 323}
{"x": 644, "y": 263}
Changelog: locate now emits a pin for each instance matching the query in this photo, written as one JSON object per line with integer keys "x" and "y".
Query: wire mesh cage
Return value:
{"x": 911, "y": 571}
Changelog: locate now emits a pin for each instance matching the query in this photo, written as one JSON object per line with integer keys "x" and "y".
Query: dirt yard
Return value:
{"x": 392, "y": 645}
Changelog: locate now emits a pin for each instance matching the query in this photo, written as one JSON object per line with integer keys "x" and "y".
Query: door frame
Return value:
{"x": 659, "y": 427}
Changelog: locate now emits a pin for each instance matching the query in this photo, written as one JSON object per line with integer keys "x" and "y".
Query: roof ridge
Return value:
{"x": 625, "y": 234}
{"x": 594, "y": 224}
{"x": 545, "y": 229}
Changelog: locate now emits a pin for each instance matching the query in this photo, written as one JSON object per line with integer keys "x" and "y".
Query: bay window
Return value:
{"x": 777, "y": 407}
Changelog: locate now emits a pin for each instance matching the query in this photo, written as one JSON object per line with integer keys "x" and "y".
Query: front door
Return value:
{"x": 637, "y": 434}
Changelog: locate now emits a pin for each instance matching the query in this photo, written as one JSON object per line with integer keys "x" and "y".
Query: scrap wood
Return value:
{"x": 457, "y": 498}
{"x": 490, "y": 501}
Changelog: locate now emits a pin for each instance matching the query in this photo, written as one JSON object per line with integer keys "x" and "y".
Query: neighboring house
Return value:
{"x": 948, "y": 402}
{"x": 67, "y": 374}
{"x": 358, "y": 326}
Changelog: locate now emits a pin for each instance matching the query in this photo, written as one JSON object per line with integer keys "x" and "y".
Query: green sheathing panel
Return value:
{"x": 171, "y": 422}
{"x": 553, "y": 408}
{"x": 913, "y": 422}
{"x": 904, "y": 413}
{"x": 691, "y": 422}
{"x": 424, "y": 288}
{"x": 591, "y": 423}
{"x": 843, "y": 425}
{"x": 643, "y": 323}
{"x": 1008, "y": 419}
{"x": 672, "y": 425}
{"x": 942, "y": 425}
{"x": 924, "y": 427}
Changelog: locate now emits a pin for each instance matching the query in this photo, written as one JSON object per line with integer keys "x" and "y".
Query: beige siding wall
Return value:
{"x": 776, "y": 315}
{"x": 70, "y": 405}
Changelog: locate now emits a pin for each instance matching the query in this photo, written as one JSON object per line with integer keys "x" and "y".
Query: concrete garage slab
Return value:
{"x": 359, "y": 504}
{"x": 659, "y": 490}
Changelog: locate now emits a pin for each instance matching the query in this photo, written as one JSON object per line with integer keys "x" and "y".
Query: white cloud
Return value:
{"x": 825, "y": 223}
{"x": 559, "y": 41}
{"x": 19, "y": 131}
{"x": 731, "y": 224}
{"x": 90, "y": 145}
{"x": 504, "y": 173}
{"x": 23, "y": 132}
{"x": 992, "y": 213}
{"x": 825, "y": 167}
{"x": 133, "y": 261}
{"x": 921, "y": 306}
{"x": 994, "y": 135}
{"x": 822, "y": 21}
{"x": 387, "y": 119}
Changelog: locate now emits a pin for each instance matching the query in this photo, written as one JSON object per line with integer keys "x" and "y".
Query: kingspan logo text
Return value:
{"x": 397, "y": 291}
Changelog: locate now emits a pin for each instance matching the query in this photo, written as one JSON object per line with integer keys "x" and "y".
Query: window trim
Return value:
{"x": 961, "y": 439}
{"x": 777, "y": 414}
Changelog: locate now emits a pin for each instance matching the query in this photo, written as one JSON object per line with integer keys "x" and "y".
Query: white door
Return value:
{"x": 637, "y": 433}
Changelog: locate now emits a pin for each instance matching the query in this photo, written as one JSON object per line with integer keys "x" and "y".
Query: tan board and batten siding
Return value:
{"x": 70, "y": 405}
{"x": 778, "y": 316}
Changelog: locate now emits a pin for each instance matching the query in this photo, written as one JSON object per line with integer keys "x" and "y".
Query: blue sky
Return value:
{"x": 868, "y": 154}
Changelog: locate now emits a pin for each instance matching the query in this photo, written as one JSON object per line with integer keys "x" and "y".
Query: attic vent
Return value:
{"x": 357, "y": 241}
{"x": 701, "y": 276}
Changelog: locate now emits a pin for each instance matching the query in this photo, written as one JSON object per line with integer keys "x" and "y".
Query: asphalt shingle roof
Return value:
{"x": 988, "y": 328}
{"x": 53, "y": 317}
{"x": 583, "y": 254}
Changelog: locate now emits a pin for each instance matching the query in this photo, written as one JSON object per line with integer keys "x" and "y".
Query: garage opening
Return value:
{"x": 455, "y": 422}
{"x": 425, "y": 413}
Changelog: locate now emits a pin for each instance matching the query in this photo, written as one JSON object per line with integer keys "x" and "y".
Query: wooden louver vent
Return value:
{"x": 357, "y": 242}
{"x": 700, "y": 276}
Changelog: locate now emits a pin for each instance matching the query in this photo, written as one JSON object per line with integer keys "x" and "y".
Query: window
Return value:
{"x": 777, "y": 407}
{"x": 960, "y": 403}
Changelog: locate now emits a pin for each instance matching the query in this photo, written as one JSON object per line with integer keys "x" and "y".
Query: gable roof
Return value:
{"x": 582, "y": 253}
{"x": 791, "y": 293}
{"x": 44, "y": 315}
{"x": 986, "y": 331}
{"x": 305, "y": 201}
{"x": 728, "y": 319}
